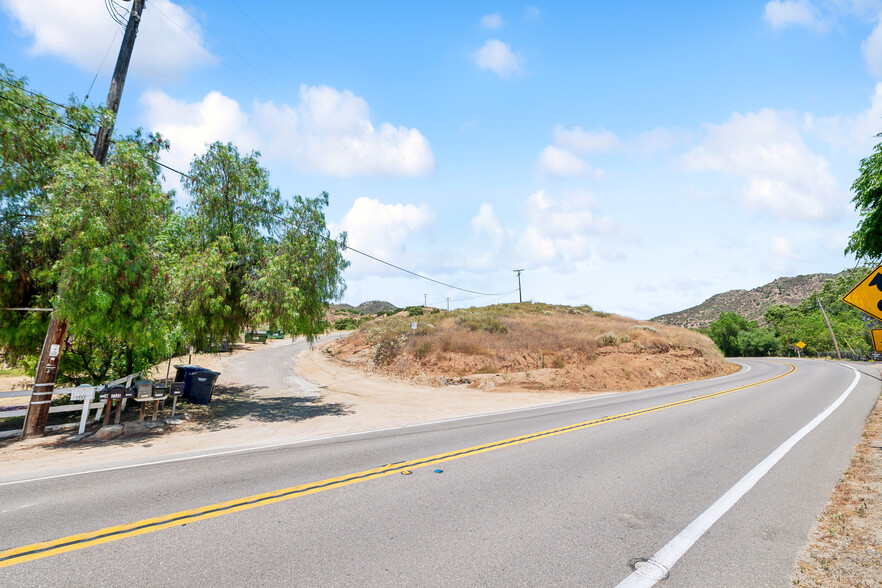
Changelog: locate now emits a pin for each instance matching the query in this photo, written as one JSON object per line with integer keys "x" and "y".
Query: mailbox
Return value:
{"x": 115, "y": 393}
{"x": 143, "y": 389}
{"x": 176, "y": 388}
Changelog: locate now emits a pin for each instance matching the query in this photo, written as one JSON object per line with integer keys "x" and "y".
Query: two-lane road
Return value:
{"x": 719, "y": 481}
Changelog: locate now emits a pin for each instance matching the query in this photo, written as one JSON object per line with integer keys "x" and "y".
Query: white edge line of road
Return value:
{"x": 660, "y": 564}
{"x": 744, "y": 370}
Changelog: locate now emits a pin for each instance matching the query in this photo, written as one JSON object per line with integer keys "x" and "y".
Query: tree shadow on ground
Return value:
{"x": 229, "y": 403}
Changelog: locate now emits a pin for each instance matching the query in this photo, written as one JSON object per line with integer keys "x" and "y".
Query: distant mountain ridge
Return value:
{"x": 369, "y": 307}
{"x": 751, "y": 304}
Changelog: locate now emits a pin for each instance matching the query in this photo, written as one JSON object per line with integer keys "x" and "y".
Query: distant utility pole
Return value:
{"x": 425, "y": 299}
{"x": 448, "y": 304}
{"x": 520, "y": 297}
{"x": 835, "y": 344}
{"x": 47, "y": 369}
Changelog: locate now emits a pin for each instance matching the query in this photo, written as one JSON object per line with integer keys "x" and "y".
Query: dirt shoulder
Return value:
{"x": 844, "y": 548}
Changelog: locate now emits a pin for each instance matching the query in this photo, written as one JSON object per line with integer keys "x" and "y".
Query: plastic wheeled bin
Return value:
{"x": 201, "y": 385}
{"x": 183, "y": 371}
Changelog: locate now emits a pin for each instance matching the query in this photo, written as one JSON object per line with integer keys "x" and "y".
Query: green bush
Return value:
{"x": 414, "y": 310}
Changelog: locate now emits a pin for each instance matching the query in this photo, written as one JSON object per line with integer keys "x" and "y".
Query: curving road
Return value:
{"x": 714, "y": 483}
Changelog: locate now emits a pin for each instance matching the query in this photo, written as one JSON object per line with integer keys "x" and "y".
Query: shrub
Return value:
{"x": 482, "y": 322}
{"x": 611, "y": 339}
{"x": 414, "y": 310}
{"x": 346, "y": 324}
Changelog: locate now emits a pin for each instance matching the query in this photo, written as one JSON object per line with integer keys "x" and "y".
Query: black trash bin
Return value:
{"x": 201, "y": 385}
{"x": 181, "y": 373}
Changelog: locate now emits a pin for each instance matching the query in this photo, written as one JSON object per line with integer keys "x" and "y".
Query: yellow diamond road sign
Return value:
{"x": 867, "y": 296}
{"x": 877, "y": 339}
{"x": 801, "y": 345}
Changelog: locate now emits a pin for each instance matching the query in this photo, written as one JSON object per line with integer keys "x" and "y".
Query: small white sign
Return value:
{"x": 413, "y": 326}
{"x": 53, "y": 350}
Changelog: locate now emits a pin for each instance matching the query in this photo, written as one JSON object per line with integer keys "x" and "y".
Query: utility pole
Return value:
{"x": 425, "y": 300}
{"x": 47, "y": 368}
{"x": 520, "y": 297}
{"x": 119, "y": 80}
{"x": 448, "y": 304}
{"x": 835, "y": 344}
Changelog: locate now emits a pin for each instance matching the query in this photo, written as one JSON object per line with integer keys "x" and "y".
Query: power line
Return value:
{"x": 182, "y": 174}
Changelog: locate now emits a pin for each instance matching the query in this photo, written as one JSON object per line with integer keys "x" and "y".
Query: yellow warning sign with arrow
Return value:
{"x": 867, "y": 296}
{"x": 801, "y": 345}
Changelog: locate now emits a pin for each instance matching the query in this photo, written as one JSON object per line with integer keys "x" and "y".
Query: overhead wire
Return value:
{"x": 182, "y": 174}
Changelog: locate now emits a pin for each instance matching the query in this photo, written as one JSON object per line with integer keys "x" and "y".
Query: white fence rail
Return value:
{"x": 84, "y": 393}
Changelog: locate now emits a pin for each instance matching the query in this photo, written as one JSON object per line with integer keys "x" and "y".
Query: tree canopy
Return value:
{"x": 133, "y": 276}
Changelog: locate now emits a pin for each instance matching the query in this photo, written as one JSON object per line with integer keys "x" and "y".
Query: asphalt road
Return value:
{"x": 565, "y": 495}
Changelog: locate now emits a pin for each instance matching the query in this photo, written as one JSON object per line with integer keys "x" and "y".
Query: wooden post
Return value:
{"x": 44, "y": 382}
{"x": 102, "y": 142}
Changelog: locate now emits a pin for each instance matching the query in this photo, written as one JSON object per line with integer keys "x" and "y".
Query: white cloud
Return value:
{"x": 872, "y": 50}
{"x": 382, "y": 229}
{"x": 327, "y": 132}
{"x": 780, "y": 14}
{"x": 784, "y": 248}
{"x": 487, "y": 223}
{"x": 79, "y": 32}
{"x": 783, "y": 177}
{"x": 499, "y": 58}
{"x": 554, "y": 161}
{"x": 580, "y": 141}
{"x": 492, "y": 21}
{"x": 532, "y": 13}
{"x": 856, "y": 134}
{"x": 560, "y": 231}
{"x": 658, "y": 139}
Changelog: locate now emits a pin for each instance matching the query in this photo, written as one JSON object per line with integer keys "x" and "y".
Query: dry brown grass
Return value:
{"x": 554, "y": 346}
{"x": 845, "y": 545}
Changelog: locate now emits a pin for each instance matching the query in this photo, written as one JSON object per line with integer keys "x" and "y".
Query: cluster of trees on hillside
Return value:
{"x": 787, "y": 325}
{"x": 135, "y": 277}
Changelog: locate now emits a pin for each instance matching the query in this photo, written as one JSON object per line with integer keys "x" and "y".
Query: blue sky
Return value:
{"x": 635, "y": 156}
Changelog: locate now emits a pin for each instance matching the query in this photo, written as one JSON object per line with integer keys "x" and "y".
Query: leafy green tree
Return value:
{"x": 757, "y": 342}
{"x": 724, "y": 332}
{"x": 248, "y": 258}
{"x": 866, "y": 241}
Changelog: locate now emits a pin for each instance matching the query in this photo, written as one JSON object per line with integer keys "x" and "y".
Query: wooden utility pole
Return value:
{"x": 520, "y": 297}
{"x": 832, "y": 336}
{"x": 102, "y": 142}
{"x": 47, "y": 369}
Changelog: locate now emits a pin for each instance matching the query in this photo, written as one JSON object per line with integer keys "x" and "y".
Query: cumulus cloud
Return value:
{"x": 560, "y": 230}
{"x": 487, "y": 223}
{"x": 382, "y": 229}
{"x": 169, "y": 39}
{"x": 872, "y": 50}
{"x": 857, "y": 133}
{"x": 560, "y": 163}
{"x": 328, "y": 132}
{"x": 492, "y": 21}
{"x": 562, "y": 159}
{"x": 780, "y": 14}
{"x": 782, "y": 176}
{"x": 498, "y": 58}
{"x": 578, "y": 140}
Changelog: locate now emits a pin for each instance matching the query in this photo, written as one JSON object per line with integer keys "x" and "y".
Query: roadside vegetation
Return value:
{"x": 531, "y": 345}
{"x": 787, "y": 325}
{"x": 135, "y": 278}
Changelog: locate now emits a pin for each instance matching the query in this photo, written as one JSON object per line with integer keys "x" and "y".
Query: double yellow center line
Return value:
{"x": 74, "y": 542}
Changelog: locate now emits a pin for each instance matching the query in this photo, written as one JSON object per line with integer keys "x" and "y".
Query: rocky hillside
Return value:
{"x": 751, "y": 304}
{"x": 370, "y": 307}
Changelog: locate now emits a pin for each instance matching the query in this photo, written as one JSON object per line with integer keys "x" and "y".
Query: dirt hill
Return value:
{"x": 751, "y": 304}
{"x": 531, "y": 346}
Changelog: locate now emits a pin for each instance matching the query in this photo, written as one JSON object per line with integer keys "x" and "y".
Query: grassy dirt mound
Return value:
{"x": 532, "y": 346}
